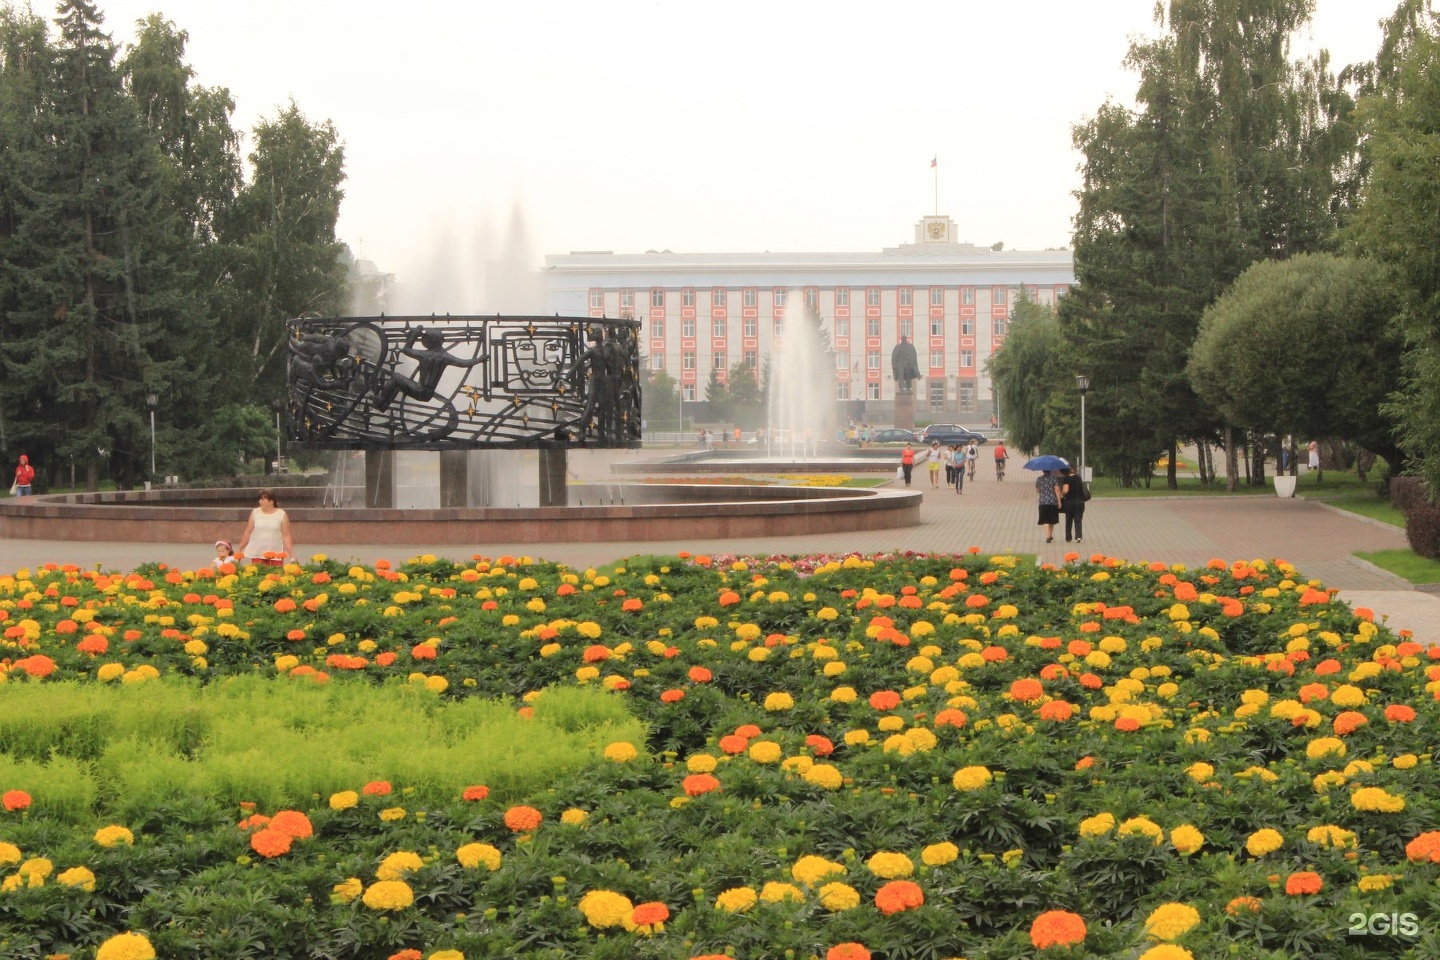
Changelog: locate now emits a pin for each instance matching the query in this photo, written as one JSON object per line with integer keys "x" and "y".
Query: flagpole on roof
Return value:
{"x": 935, "y": 165}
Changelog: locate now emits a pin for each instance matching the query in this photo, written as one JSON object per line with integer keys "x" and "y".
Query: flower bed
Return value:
{"x": 841, "y": 757}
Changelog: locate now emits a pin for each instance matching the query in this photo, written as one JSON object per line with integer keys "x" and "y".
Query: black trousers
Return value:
{"x": 1074, "y": 520}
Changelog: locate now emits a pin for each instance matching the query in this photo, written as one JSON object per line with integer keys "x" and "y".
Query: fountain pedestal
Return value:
{"x": 904, "y": 411}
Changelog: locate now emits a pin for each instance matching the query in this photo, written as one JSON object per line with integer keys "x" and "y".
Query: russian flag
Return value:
{"x": 934, "y": 159}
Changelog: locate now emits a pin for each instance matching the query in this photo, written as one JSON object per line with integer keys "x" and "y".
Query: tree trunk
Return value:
{"x": 1232, "y": 467}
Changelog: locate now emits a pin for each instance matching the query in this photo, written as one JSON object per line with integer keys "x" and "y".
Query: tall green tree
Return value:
{"x": 1400, "y": 219}
{"x": 1304, "y": 347}
{"x": 743, "y": 394}
{"x": 287, "y": 262}
{"x": 1233, "y": 154}
{"x": 103, "y": 308}
{"x": 1026, "y": 372}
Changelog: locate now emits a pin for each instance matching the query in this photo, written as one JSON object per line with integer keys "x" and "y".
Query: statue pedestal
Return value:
{"x": 905, "y": 411}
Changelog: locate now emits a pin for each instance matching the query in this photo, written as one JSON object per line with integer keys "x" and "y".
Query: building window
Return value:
{"x": 872, "y": 390}
{"x": 687, "y": 298}
{"x": 657, "y": 361}
{"x": 717, "y": 297}
{"x": 937, "y": 359}
{"x": 907, "y": 328}
{"x": 751, "y": 326}
{"x": 872, "y": 359}
{"x": 967, "y": 359}
{"x": 780, "y": 296}
{"x": 997, "y": 296}
{"x": 967, "y": 398}
{"x": 904, "y": 296}
{"x": 627, "y": 298}
{"x": 657, "y": 297}
{"x": 779, "y": 328}
{"x": 752, "y": 359}
{"x": 687, "y": 359}
{"x": 967, "y": 296}
{"x": 998, "y": 327}
{"x": 842, "y": 296}
{"x": 937, "y": 296}
{"x": 597, "y": 299}
{"x": 812, "y": 299}
{"x": 842, "y": 359}
{"x": 842, "y": 326}
{"x": 842, "y": 390}
{"x": 750, "y": 297}
{"x": 937, "y": 326}
{"x": 687, "y": 392}
{"x": 872, "y": 327}
{"x": 717, "y": 362}
{"x": 657, "y": 328}
{"x": 967, "y": 326}
{"x": 872, "y": 297}
{"x": 717, "y": 327}
{"x": 937, "y": 395}
{"x": 687, "y": 327}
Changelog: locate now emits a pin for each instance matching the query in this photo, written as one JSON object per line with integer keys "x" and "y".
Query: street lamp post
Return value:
{"x": 150, "y": 401}
{"x": 1082, "y": 383}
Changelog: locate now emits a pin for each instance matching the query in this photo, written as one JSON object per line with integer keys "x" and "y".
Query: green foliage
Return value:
{"x": 1028, "y": 372}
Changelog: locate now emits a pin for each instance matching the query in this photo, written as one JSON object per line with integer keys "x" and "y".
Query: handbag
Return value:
{"x": 14, "y": 488}
{"x": 900, "y": 473}
{"x": 1085, "y": 492}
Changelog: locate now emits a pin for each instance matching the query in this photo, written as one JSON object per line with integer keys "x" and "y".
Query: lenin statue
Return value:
{"x": 904, "y": 365}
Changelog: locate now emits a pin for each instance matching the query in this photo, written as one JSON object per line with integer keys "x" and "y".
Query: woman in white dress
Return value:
{"x": 267, "y": 535}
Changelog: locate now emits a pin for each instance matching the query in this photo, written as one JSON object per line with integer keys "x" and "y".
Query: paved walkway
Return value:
{"x": 996, "y": 517}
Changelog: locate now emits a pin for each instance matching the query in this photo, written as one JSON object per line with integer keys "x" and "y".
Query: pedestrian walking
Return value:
{"x": 935, "y": 457}
{"x": 1072, "y": 502}
{"x": 24, "y": 477}
{"x": 907, "y": 462}
{"x": 1047, "y": 489}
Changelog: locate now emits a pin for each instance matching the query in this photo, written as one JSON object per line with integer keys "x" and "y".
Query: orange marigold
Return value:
{"x": 15, "y": 800}
{"x": 699, "y": 783}
{"x": 899, "y": 895}
{"x": 733, "y": 743}
{"x": 847, "y": 951}
{"x": 1349, "y": 721}
{"x": 1057, "y": 710}
{"x": 1241, "y": 905}
{"x": 1399, "y": 713}
{"x": 270, "y": 843}
{"x": 649, "y": 914}
{"x": 700, "y": 674}
{"x": 884, "y": 699}
{"x": 1027, "y": 689}
{"x": 293, "y": 822}
{"x": 1303, "y": 883}
{"x": 1057, "y": 928}
{"x": 376, "y": 788}
{"x": 820, "y": 746}
{"x": 475, "y": 792}
{"x": 523, "y": 819}
{"x": 1424, "y": 848}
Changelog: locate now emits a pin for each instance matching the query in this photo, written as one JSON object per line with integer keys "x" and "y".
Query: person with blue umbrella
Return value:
{"x": 1047, "y": 488}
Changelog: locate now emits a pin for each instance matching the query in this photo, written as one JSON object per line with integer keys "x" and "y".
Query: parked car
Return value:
{"x": 950, "y": 433}
{"x": 893, "y": 435}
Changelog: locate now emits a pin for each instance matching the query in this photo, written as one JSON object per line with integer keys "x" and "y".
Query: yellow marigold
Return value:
{"x": 1166, "y": 951}
{"x": 779, "y": 701}
{"x": 348, "y": 890}
{"x": 775, "y": 891}
{"x": 388, "y": 895}
{"x": 126, "y": 946}
{"x": 1348, "y": 696}
{"x": 113, "y": 836}
{"x": 765, "y": 751}
{"x": 938, "y": 854}
{"x": 574, "y": 816}
{"x": 9, "y": 853}
{"x": 1097, "y": 826}
{"x": 1142, "y": 826}
{"x": 701, "y": 763}
{"x": 605, "y": 908}
{"x": 621, "y": 752}
{"x": 1322, "y": 747}
{"x": 472, "y": 855}
{"x": 391, "y": 814}
{"x": 1264, "y": 841}
{"x": 344, "y": 800}
{"x": 1170, "y": 921}
{"x": 837, "y": 896}
{"x": 856, "y": 737}
{"x": 889, "y": 865}
{"x": 1376, "y": 800}
{"x": 1187, "y": 839}
{"x": 1200, "y": 772}
{"x": 843, "y": 695}
{"x": 1376, "y": 881}
{"x": 811, "y": 870}
{"x": 736, "y": 900}
{"x": 972, "y": 778}
{"x": 398, "y": 865}
{"x": 825, "y": 776}
{"x": 1329, "y": 835}
{"x": 77, "y": 877}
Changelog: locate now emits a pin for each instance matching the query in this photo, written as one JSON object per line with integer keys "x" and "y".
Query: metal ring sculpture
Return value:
{"x": 463, "y": 383}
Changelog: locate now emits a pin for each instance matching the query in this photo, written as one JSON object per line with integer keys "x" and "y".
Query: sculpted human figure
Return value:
{"x": 432, "y": 361}
{"x": 904, "y": 365}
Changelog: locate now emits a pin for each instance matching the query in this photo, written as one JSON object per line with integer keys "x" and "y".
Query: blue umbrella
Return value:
{"x": 1047, "y": 462}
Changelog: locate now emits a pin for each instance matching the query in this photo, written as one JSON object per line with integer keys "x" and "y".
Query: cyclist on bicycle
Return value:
{"x": 1001, "y": 455}
{"x": 972, "y": 454}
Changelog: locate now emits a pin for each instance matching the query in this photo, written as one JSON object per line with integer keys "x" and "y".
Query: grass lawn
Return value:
{"x": 1405, "y": 564}
{"x": 1336, "y": 484}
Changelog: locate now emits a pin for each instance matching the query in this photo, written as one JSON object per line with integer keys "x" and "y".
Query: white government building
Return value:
{"x": 704, "y": 312}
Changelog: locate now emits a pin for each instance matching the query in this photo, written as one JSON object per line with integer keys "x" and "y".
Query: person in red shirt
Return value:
{"x": 907, "y": 462}
{"x": 1001, "y": 455}
{"x": 24, "y": 475}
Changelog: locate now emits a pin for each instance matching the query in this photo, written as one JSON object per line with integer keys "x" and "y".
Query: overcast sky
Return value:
{"x": 783, "y": 125}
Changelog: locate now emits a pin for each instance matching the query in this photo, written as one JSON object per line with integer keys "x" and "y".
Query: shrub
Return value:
{"x": 1407, "y": 492}
{"x": 1422, "y": 529}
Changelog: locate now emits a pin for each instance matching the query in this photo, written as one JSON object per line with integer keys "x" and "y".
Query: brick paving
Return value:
{"x": 996, "y": 517}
